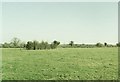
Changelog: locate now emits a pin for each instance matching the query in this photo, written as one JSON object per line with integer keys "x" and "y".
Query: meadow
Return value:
{"x": 60, "y": 64}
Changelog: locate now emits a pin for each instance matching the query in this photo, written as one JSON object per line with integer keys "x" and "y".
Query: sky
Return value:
{"x": 81, "y": 22}
{"x": 60, "y": 0}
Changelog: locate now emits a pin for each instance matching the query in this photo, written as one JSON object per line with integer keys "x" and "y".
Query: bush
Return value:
{"x": 29, "y": 45}
{"x": 99, "y": 45}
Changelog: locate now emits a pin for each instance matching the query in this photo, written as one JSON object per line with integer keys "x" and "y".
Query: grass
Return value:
{"x": 60, "y": 64}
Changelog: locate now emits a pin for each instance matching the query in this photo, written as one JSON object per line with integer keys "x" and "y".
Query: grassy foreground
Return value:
{"x": 60, "y": 64}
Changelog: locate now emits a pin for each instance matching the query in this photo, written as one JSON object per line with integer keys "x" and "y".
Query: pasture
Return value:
{"x": 60, "y": 64}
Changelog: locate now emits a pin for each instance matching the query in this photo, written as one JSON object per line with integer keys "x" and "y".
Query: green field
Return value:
{"x": 60, "y": 64}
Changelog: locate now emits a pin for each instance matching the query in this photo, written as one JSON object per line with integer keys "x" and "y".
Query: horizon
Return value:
{"x": 48, "y": 21}
{"x": 60, "y": 42}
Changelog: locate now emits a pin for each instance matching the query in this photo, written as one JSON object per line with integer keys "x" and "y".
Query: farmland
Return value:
{"x": 60, "y": 64}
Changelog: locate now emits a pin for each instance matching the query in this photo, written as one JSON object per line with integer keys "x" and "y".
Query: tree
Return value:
{"x": 71, "y": 43}
{"x": 42, "y": 45}
{"x": 6, "y": 45}
{"x": 105, "y": 44}
{"x": 16, "y": 42}
{"x": 54, "y": 44}
{"x": 118, "y": 44}
{"x": 47, "y": 46}
{"x": 22, "y": 45}
{"x": 99, "y": 45}
{"x": 35, "y": 44}
{"x": 29, "y": 45}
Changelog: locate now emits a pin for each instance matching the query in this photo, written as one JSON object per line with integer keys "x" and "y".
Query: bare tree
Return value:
{"x": 16, "y": 42}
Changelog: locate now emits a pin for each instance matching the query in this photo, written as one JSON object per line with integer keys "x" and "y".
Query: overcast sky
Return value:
{"x": 88, "y": 22}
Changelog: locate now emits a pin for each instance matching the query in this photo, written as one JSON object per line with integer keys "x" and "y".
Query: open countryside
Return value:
{"x": 59, "y": 41}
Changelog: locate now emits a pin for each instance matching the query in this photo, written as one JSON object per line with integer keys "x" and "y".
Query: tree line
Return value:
{"x": 36, "y": 45}
{"x": 30, "y": 45}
